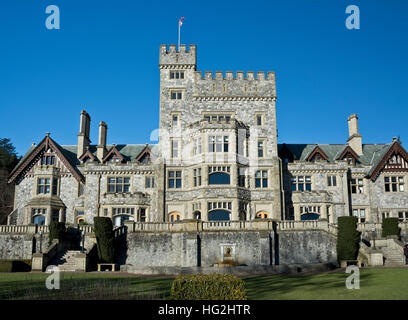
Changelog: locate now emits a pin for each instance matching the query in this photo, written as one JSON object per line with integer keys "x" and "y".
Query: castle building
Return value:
{"x": 217, "y": 159}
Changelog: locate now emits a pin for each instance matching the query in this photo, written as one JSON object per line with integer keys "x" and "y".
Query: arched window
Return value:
{"x": 219, "y": 175}
{"x": 197, "y": 215}
{"x": 174, "y": 216}
{"x": 262, "y": 215}
{"x": 220, "y": 214}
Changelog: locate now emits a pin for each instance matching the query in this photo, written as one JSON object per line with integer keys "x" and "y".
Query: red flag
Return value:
{"x": 181, "y": 21}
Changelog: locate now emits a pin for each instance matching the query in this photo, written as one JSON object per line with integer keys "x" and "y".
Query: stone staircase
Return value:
{"x": 393, "y": 256}
{"x": 65, "y": 260}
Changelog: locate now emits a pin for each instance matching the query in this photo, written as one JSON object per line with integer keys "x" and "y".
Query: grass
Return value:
{"x": 380, "y": 284}
{"x": 374, "y": 284}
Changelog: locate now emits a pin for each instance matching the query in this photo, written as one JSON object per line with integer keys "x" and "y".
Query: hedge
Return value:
{"x": 208, "y": 287}
{"x": 390, "y": 227}
{"x": 347, "y": 238}
{"x": 105, "y": 239}
{"x": 57, "y": 231}
{"x": 10, "y": 265}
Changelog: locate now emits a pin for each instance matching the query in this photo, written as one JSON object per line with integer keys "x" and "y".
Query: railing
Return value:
{"x": 86, "y": 228}
{"x": 14, "y": 229}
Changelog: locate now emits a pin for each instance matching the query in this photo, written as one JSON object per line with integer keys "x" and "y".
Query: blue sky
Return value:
{"x": 105, "y": 59}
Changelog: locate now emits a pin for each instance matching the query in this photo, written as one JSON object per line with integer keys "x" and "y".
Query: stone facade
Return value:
{"x": 217, "y": 159}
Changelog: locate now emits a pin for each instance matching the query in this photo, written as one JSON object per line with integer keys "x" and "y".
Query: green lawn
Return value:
{"x": 374, "y": 284}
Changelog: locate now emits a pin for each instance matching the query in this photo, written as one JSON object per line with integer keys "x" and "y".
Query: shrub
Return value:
{"x": 208, "y": 287}
{"x": 105, "y": 239}
{"x": 390, "y": 227}
{"x": 10, "y": 265}
{"x": 57, "y": 231}
{"x": 347, "y": 238}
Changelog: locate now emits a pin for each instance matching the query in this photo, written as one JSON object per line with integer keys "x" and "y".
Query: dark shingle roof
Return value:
{"x": 372, "y": 153}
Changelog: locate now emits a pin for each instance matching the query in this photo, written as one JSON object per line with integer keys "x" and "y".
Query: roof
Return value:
{"x": 372, "y": 153}
{"x": 128, "y": 151}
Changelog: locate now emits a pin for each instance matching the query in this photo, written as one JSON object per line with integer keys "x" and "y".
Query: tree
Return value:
{"x": 8, "y": 155}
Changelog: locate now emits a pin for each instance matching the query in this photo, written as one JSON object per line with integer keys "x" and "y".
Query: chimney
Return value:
{"x": 354, "y": 140}
{"x": 83, "y": 135}
{"x": 101, "y": 148}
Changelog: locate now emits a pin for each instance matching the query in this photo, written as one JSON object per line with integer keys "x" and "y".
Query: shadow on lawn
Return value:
{"x": 73, "y": 288}
{"x": 277, "y": 286}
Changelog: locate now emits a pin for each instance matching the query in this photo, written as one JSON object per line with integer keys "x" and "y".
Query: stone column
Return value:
{"x": 296, "y": 209}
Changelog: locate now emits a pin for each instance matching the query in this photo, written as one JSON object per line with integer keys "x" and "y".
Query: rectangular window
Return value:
{"x": 331, "y": 181}
{"x": 54, "y": 186}
{"x": 43, "y": 186}
{"x": 174, "y": 149}
{"x": 176, "y": 75}
{"x": 301, "y": 183}
{"x": 357, "y": 185}
{"x": 261, "y": 179}
{"x": 241, "y": 178}
{"x": 174, "y": 179}
{"x": 261, "y": 145}
{"x": 259, "y": 120}
{"x": 394, "y": 184}
{"x": 105, "y": 212}
{"x": 119, "y": 184}
{"x": 197, "y": 148}
{"x": 360, "y": 214}
{"x": 47, "y": 160}
{"x": 403, "y": 216}
{"x": 218, "y": 143}
{"x": 176, "y": 94}
{"x": 197, "y": 177}
{"x": 81, "y": 189}
{"x": 149, "y": 182}
{"x": 174, "y": 120}
{"x": 217, "y": 118}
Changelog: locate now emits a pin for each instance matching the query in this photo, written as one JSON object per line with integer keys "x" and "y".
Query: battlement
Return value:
{"x": 249, "y": 85}
{"x": 171, "y": 56}
{"x": 239, "y": 75}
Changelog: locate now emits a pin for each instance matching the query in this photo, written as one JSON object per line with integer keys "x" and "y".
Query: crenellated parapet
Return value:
{"x": 171, "y": 58}
{"x": 250, "y": 85}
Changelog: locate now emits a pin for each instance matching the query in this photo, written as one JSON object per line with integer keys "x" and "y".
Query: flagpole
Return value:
{"x": 178, "y": 48}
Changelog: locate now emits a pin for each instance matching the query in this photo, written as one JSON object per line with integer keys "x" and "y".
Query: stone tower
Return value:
{"x": 218, "y": 140}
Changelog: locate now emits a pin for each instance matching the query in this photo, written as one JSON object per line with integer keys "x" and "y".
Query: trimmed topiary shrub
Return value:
{"x": 390, "y": 227}
{"x": 105, "y": 239}
{"x": 347, "y": 238}
{"x": 57, "y": 231}
{"x": 208, "y": 287}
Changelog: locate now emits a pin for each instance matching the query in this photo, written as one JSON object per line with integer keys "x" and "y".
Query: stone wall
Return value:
{"x": 206, "y": 249}
{"x": 21, "y": 246}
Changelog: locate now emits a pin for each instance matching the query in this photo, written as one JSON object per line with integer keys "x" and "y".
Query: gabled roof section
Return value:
{"x": 145, "y": 153}
{"x": 317, "y": 151}
{"x": 33, "y": 154}
{"x": 87, "y": 155}
{"x": 348, "y": 150}
{"x": 395, "y": 158}
{"x": 113, "y": 152}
